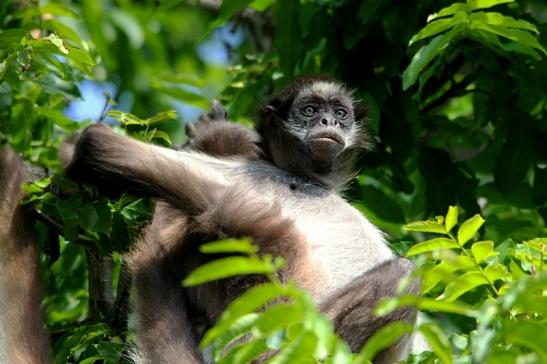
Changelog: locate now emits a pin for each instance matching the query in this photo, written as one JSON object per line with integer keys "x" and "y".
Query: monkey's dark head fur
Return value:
{"x": 314, "y": 128}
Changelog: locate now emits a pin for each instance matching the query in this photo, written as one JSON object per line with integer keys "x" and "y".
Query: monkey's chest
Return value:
{"x": 338, "y": 245}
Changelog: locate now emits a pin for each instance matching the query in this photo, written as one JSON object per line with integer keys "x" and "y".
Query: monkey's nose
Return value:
{"x": 327, "y": 122}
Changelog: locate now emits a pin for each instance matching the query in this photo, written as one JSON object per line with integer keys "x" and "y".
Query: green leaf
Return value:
{"x": 432, "y": 245}
{"x": 239, "y": 328}
{"x": 229, "y": 246}
{"x": 277, "y": 317}
{"x": 161, "y": 116}
{"x": 125, "y": 118}
{"x": 462, "y": 284}
{"x": 538, "y": 244}
{"x": 11, "y": 39}
{"x": 484, "y": 4}
{"x": 299, "y": 351}
{"x": 449, "y": 10}
{"x": 423, "y": 304}
{"x": 158, "y": 134}
{"x": 516, "y": 35}
{"x": 57, "y": 42}
{"x": 426, "y": 227}
{"x": 341, "y": 353}
{"x": 425, "y": 55}
{"x": 438, "y": 342}
{"x": 496, "y": 271}
{"x": 439, "y": 26}
{"x": 245, "y": 353}
{"x": 482, "y": 250}
{"x": 383, "y": 339}
{"x": 261, "y": 5}
{"x": 168, "y": 4}
{"x": 324, "y": 331}
{"x": 228, "y": 267}
{"x": 58, "y": 118}
{"x": 490, "y": 39}
{"x": 528, "y": 334}
{"x": 469, "y": 228}
{"x": 250, "y": 301}
{"x": 58, "y": 9}
{"x": 451, "y": 218}
{"x": 501, "y": 20}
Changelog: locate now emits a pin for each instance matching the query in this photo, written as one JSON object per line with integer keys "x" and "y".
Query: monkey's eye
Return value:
{"x": 341, "y": 113}
{"x": 309, "y": 110}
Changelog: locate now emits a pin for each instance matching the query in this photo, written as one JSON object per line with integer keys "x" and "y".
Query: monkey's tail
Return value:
{"x": 23, "y": 337}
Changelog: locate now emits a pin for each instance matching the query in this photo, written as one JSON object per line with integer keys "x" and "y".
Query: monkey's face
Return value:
{"x": 322, "y": 117}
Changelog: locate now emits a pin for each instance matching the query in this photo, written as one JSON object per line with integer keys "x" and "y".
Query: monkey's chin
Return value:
{"x": 325, "y": 149}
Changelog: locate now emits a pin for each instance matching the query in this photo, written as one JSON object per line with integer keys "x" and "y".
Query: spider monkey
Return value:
{"x": 286, "y": 200}
{"x": 281, "y": 190}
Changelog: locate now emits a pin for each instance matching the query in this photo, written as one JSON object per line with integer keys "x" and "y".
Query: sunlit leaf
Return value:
{"x": 528, "y": 334}
{"x": 451, "y": 218}
{"x": 516, "y": 35}
{"x": 469, "y": 228}
{"x": 449, "y": 10}
{"x": 539, "y": 244}
{"x": 484, "y": 4}
{"x": 228, "y": 267}
{"x": 425, "y": 55}
{"x": 496, "y": 271}
{"x": 382, "y": 339}
{"x": 250, "y": 301}
{"x": 439, "y": 26}
{"x": 299, "y": 351}
{"x": 501, "y": 20}
{"x": 426, "y": 227}
{"x": 432, "y": 245}
{"x": 482, "y": 250}
{"x": 229, "y": 246}
{"x": 463, "y": 284}
{"x": 438, "y": 342}
{"x": 238, "y": 328}
{"x": 161, "y": 116}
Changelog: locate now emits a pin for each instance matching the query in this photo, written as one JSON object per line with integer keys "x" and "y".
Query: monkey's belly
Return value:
{"x": 339, "y": 246}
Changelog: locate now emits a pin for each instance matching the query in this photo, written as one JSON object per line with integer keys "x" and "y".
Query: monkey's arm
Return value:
{"x": 186, "y": 179}
{"x": 351, "y": 309}
{"x": 23, "y": 338}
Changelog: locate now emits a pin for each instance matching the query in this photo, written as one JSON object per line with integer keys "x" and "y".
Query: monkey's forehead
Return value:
{"x": 328, "y": 90}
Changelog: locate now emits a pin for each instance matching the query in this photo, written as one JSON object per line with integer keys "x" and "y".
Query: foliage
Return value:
{"x": 456, "y": 102}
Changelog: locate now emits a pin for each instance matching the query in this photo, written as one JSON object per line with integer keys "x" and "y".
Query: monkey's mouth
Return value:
{"x": 328, "y": 137}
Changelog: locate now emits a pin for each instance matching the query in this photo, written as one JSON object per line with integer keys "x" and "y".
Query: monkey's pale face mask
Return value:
{"x": 323, "y": 124}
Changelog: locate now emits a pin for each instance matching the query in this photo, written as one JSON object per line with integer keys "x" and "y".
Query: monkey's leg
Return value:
{"x": 164, "y": 333}
{"x": 351, "y": 309}
{"x": 188, "y": 180}
{"x": 23, "y": 338}
{"x": 215, "y": 135}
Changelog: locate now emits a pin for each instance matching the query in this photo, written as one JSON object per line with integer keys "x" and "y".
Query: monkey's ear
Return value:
{"x": 360, "y": 110}
{"x": 270, "y": 109}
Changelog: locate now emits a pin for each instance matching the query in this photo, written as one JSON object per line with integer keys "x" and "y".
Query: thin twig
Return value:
{"x": 49, "y": 221}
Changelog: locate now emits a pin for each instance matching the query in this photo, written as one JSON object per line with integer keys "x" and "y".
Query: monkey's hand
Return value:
{"x": 99, "y": 156}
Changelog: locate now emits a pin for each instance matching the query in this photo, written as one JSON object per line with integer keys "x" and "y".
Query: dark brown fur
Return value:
{"x": 23, "y": 338}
